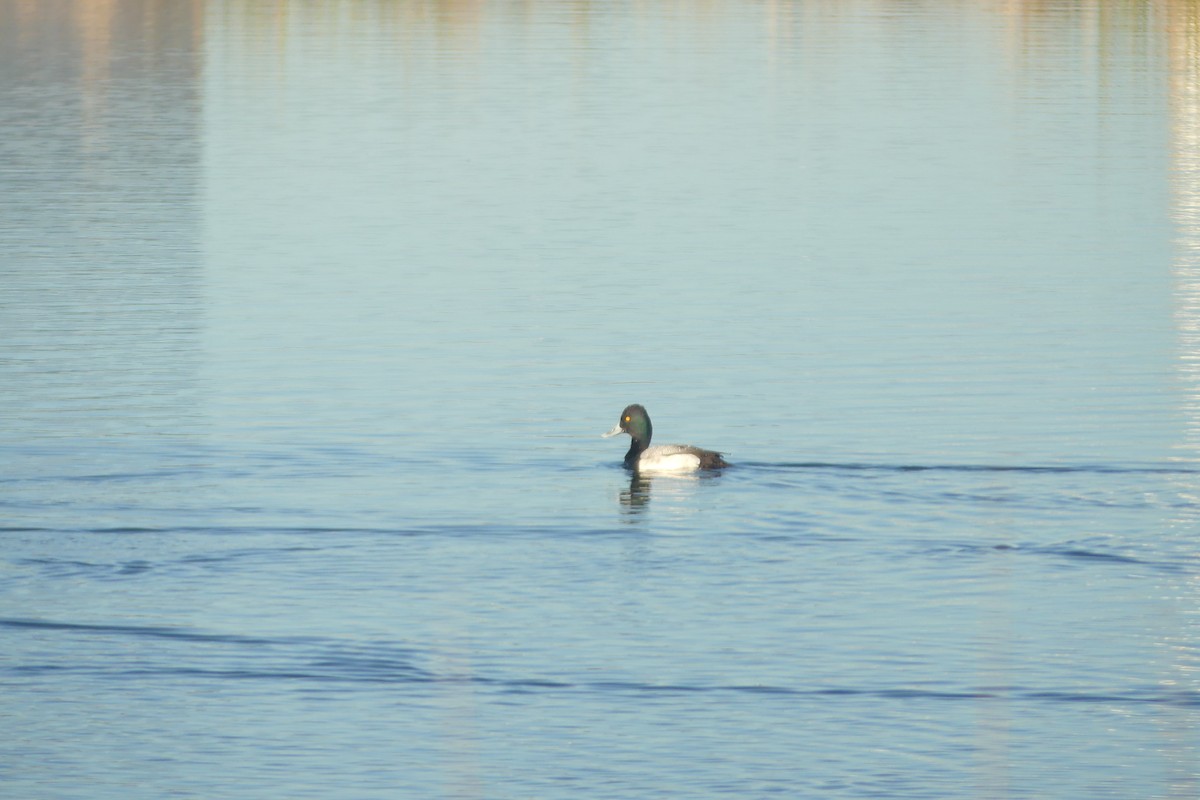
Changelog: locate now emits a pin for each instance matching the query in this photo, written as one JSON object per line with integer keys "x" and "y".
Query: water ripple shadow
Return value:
{"x": 1052, "y": 469}
{"x": 150, "y": 631}
{"x": 1152, "y": 696}
{"x": 322, "y": 661}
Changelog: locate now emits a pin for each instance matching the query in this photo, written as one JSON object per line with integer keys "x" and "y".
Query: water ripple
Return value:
{"x": 150, "y": 631}
{"x": 320, "y": 660}
{"x": 1034, "y": 469}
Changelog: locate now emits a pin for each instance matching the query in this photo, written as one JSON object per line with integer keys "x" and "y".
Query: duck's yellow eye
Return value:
{"x": 627, "y": 418}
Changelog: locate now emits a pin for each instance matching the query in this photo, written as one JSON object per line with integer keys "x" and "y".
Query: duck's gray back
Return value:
{"x": 709, "y": 459}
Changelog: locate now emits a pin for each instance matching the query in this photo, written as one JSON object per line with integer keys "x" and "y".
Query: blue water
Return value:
{"x": 312, "y": 315}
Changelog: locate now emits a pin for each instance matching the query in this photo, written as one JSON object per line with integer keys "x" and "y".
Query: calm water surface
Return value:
{"x": 311, "y": 315}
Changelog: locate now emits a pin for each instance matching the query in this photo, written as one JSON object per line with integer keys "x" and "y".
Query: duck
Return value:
{"x": 660, "y": 458}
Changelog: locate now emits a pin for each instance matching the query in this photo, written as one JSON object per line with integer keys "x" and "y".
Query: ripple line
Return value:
{"x": 1051, "y": 469}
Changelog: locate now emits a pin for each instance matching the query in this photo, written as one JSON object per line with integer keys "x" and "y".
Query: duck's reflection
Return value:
{"x": 637, "y": 496}
{"x": 667, "y": 487}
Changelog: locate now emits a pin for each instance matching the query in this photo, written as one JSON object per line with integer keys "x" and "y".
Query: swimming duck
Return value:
{"x": 661, "y": 458}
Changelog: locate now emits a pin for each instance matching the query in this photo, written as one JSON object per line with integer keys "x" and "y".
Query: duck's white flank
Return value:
{"x": 668, "y": 458}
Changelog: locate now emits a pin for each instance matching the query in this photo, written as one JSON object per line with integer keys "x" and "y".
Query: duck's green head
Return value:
{"x": 634, "y": 421}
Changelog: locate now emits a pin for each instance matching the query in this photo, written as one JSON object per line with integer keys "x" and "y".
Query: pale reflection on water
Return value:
{"x": 309, "y": 313}
{"x": 1178, "y": 647}
{"x": 99, "y": 226}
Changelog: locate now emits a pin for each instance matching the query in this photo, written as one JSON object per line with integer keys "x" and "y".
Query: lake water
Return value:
{"x": 311, "y": 315}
